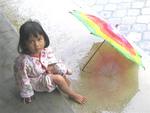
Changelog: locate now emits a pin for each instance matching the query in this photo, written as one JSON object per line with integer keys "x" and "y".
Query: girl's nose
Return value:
{"x": 36, "y": 44}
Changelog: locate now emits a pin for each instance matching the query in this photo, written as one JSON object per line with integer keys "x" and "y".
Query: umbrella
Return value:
{"x": 99, "y": 27}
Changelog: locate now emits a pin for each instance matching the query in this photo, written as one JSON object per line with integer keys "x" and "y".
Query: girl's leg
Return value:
{"x": 62, "y": 84}
{"x": 67, "y": 80}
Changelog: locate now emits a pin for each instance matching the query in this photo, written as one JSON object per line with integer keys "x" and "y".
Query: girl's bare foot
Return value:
{"x": 63, "y": 85}
{"x": 79, "y": 98}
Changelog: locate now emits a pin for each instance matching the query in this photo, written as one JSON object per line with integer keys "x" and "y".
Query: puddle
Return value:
{"x": 109, "y": 81}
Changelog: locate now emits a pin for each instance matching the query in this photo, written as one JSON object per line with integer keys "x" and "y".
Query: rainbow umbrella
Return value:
{"x": 101, "y": 28}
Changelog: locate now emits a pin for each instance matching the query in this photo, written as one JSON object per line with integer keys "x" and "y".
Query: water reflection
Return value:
{"x": 109, "y": 81}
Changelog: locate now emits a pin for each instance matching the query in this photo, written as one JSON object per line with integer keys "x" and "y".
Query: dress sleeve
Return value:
{"x": 61, "y": 68}
{"x": 22, "y": 79}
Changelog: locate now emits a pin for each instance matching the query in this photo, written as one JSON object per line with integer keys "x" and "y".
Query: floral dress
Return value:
{"x": 30, "y": 72}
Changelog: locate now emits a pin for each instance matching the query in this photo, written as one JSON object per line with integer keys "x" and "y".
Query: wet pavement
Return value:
{"x": 130, "y": 92}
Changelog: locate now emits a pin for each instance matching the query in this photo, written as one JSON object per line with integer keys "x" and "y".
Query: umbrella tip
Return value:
{"x": 117, "y": 25}
{"x": 143, "y": 67}
{"x": 72, "y": 11}
{"x": 91, "y": 33}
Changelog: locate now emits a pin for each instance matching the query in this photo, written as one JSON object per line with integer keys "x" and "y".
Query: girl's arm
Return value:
{"x": 23, "y": 81}
{"x": 60, "y": 68}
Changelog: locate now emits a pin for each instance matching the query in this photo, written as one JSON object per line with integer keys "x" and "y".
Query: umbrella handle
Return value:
{"x": 92, "y": 55}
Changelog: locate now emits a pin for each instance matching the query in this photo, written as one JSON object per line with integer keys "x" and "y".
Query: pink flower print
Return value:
{"x": 37, "y": 62}
{"x": 43, "y": 54}
{"x": 21, "y": 66}
{"x": 49, "y": 54}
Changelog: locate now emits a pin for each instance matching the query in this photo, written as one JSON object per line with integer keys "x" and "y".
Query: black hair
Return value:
{"x": 28, "y": 29}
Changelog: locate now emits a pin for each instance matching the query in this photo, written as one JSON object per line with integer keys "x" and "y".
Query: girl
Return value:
{"x": 31, "y": 65}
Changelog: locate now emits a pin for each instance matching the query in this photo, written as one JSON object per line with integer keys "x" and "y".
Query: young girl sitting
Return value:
{"x": 35, "y": 57}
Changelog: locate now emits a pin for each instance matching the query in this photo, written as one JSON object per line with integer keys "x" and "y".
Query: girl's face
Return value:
{"x": 35, "y": 44}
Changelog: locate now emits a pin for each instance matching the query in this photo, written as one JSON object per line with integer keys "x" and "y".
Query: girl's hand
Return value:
{"x": 27, "y": 100}
{"x": 69, "y": 72}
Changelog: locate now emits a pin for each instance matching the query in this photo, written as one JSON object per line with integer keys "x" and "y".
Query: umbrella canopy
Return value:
{"x": 101, "y": 28}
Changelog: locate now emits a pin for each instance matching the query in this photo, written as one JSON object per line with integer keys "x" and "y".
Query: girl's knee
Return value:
{"x": 58, "y": 79}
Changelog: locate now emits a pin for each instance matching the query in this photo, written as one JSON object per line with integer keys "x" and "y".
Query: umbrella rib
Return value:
{"x": 92, "y": 56}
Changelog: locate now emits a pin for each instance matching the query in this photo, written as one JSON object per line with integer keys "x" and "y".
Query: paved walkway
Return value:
{"x": 9, "y": 99}
{"x": 132, "y": 16}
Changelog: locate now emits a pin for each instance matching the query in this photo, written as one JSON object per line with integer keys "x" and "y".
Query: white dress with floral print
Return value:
{"x": 30, "y": 73}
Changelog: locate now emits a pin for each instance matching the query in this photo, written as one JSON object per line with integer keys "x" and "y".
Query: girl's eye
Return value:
{"x": 39, "y": 39}
{"x": 31, "y": 42}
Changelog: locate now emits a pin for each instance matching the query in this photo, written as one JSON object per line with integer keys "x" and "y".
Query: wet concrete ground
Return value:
{"x": 127, "y": 94}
